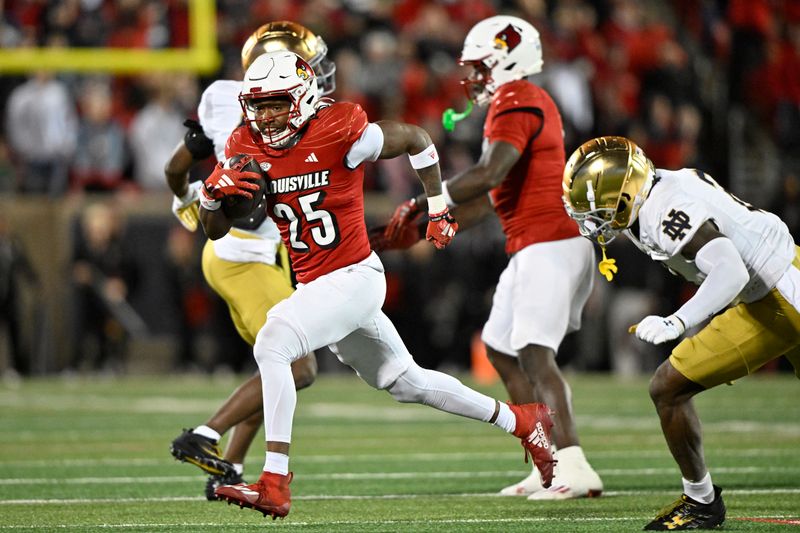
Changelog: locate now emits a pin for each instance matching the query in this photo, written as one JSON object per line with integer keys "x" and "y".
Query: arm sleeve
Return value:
{"x": 726, "y": 276}
{"x": 367, "y": 148}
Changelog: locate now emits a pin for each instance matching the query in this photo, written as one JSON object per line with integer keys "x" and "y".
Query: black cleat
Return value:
{"x": 217, "y": 481}
{"x": 687, "y": 513}
{"x": 201, "y": 452}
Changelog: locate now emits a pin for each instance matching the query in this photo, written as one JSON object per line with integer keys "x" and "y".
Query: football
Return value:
{"x": 239, "y": 206}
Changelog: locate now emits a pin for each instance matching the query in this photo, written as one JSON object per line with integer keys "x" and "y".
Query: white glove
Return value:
{"x": 185, "y": 208}
{"x": 658, "y": 329}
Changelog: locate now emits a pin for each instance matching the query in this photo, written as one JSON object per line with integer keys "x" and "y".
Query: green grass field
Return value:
{"x": 92, "y": 455}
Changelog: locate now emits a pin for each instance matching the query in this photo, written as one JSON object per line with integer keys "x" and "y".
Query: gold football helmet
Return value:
{"x": 606, "y": 181}
{"x": 291, "y": 36}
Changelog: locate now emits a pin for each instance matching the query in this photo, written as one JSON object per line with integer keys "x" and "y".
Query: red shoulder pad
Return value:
{"x": 238, "y": 142}
{"x": 520, "y": 93}
{"x": 345, "y": 120}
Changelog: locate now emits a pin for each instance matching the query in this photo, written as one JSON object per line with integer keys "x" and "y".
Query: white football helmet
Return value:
{"x": 275, "y": 75}
{"x": 500, "y": 49}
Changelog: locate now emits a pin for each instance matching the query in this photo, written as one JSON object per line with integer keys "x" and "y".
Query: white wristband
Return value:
{"x": 209, "y": 204}
{"x": 425, "y": 158}
{"x": 447, "y": 198}
{"x": 436, "y": 205}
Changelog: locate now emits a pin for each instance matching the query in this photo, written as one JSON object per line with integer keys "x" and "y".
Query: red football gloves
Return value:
{"x": 442, "y": 227}
{"x": 401, "y": 232}
{"x": 230, "y": 182}
{"x": 403, "y": 216}
{"x": 407, "y": 236}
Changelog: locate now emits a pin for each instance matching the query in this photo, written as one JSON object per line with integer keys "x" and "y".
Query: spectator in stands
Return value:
{"x": 154, "y": 132}
{"x": 8, "y": 175}
{"x": 103, "y": 276}
{"x": 188, "y": 294}
{"x": 41, "y": 126}
{"x": 102, "y": 153}
{"x": 15, "y": 268}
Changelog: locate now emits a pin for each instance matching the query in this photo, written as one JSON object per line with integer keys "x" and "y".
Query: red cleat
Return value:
{"x": 269, "y": 495}
{"x": 533, "y": 427}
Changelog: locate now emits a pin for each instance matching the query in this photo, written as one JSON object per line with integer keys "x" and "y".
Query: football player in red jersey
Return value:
{"x": 312, "y": 154}
{"x": 541, "y": 293}
{"x": 248, "y": 268}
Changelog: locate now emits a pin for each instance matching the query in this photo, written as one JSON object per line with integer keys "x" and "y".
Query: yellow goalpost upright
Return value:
{"x": 201, "y": 56}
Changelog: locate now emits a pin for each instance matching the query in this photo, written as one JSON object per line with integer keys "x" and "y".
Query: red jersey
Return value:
{"x": 316, "y": 201}
{"x": 528, "y": 201}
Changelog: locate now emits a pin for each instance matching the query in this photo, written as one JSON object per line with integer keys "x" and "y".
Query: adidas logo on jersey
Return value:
{"x": 312, "y": 158}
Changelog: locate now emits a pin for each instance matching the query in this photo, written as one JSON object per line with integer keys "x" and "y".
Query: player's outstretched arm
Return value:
{"x": 726, "y": 275}
{"x": 468, "y": 214}
{"x": 490, "y": 170}
{"x": 398, "y": 139}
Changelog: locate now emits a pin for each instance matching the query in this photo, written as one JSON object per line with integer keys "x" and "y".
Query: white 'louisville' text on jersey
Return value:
{"x": 682, "y": 200}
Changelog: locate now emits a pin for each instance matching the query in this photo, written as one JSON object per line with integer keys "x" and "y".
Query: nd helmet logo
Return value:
{"x": 508, "y": 38}
{"x": 303, "y": 69}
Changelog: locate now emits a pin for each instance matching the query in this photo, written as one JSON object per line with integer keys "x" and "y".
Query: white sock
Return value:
{"x": 206, "y": 431}
{"x": 238, "y": 468}
{"x": 572, "y": 455}
{"x": 505, "y": 418}
{"x": 277, "y": 463}
{"x": 701, "y": 491}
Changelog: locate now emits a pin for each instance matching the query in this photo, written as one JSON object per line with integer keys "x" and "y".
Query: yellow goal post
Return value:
{"x": 201, "y": 56}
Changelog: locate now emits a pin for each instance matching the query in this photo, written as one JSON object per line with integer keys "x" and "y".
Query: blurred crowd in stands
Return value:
{"x": 676, "y": 76}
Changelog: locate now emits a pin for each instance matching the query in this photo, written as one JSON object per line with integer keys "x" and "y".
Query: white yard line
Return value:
{"x": 436, "y": 457}
{"x": 357, "y": 476}
{"x": 195, "y": 526}
{"x": 334, "y": 497}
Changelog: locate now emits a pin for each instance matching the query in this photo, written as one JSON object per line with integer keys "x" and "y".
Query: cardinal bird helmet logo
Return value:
{"x": 508, "y": 38}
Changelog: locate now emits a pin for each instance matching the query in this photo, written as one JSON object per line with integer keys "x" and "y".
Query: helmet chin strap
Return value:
{"x": 607, "y": 266}
{"x": 590, "y": 195}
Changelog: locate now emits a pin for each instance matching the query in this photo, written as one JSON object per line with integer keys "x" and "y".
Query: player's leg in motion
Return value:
{"x": 342, "y": 309}
{"x": 242, "y": 415}
{"x": 539, "y": 298}
{"x": 672, "y": 395}
{"x": 701, "y": 503}
{"x": 380, "y": 358}
{"x": 250, "y": 290}
{"x": 735, "y": 343}
{"x": 317, "y": 314}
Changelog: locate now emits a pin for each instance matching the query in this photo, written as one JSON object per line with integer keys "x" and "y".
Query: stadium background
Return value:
{"x": 93, "y": 94}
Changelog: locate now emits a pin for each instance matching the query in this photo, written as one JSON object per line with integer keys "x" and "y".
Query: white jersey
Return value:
{"x": 682, "y": 200}
{"x": 220, "y": 113}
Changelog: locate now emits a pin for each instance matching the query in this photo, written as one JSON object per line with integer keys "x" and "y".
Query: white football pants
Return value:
{"x": 342, "y": 310}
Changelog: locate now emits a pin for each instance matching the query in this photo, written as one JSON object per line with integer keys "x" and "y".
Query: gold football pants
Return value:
{"x": 249, "y": 289}
{"x": 741, "y": 340}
